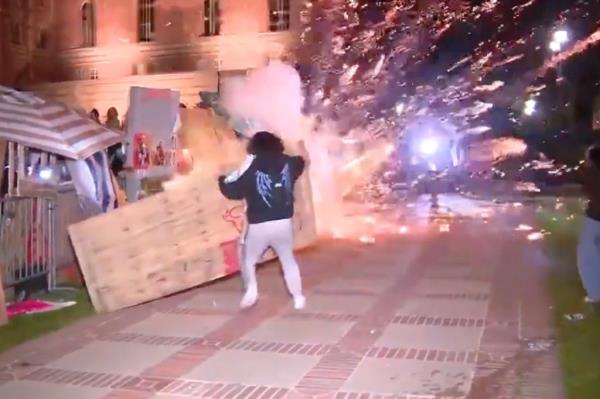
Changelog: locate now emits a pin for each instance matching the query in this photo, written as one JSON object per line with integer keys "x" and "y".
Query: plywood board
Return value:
{"x": 174, "y": 240}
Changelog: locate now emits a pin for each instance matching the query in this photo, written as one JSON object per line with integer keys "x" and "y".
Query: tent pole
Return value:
{"x": 3, "y": 149}
{"x": 11, "y": 168}
{"x": 20, "y": 166}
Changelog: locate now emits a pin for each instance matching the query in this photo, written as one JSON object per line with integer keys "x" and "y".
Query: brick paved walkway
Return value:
{"x": 456, "y": 315}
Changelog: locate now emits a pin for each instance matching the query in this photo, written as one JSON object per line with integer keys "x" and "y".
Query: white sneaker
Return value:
{"x": 299, "y": 302}
{"x": 250, "y": 298}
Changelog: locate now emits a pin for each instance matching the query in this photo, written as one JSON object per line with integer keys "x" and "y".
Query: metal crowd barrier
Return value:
{"x": 27, "y": 240}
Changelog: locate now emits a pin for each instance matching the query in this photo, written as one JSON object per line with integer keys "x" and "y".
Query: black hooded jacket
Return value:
{"x": 267, "y": 186}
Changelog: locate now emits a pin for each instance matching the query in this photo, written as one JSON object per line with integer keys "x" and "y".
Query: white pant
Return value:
{"x": 276, "y": 234}
{"x": 588, "y": 258}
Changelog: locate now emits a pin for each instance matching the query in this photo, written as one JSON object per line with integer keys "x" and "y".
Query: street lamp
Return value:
{"x": 559, "y": 38}
{"x": 555, "y": 46}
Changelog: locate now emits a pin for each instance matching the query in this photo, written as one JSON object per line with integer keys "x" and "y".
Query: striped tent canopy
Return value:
{"x": 50, "y": 126}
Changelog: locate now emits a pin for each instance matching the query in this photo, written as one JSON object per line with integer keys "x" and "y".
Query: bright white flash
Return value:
{"x": 555, "y": 46}
{"x": 399, "y": 108}
{"x": 561, "y": 36}
{"x": 45, "y": 174}
{"x": 429, "y": 146}
{"x": 530, "y": 107}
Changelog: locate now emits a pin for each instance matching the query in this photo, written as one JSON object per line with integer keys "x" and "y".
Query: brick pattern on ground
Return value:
{"x": 330, "y": 349}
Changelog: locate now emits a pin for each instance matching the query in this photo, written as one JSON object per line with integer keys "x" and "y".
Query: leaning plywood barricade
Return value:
{"x": 180, "y": 238}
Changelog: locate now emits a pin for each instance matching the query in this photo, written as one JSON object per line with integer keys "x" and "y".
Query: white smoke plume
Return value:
{"x": 271, "y": 98}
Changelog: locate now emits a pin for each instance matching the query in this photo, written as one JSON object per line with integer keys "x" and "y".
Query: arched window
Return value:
{"x": 146, "y": 20}
{"x": 279, "y": 15}
{"x": 88, "y": 24}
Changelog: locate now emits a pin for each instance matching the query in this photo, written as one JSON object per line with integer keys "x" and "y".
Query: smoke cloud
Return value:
{"x": 271, "y": 98}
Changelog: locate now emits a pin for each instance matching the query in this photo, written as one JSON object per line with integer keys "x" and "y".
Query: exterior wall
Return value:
{"x": 179, "y": 21}
{"x": 3, "y": 45}
{"x": 179, "y": 43}
{"x": 243, "y": 17}
{"x": 118, "y": 60}
{"x": 116, "y": 22}
{"x": 106, "y": 93}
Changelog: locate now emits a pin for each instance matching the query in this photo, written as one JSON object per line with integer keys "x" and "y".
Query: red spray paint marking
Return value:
{"x": 230, "y": 249}
{"x": 155, "y": 93}
{"x": 231, "y": 256}
{"x": 235, "y": 216}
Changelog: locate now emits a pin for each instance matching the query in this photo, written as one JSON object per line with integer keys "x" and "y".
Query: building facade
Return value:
{"x": 88, "y": 52}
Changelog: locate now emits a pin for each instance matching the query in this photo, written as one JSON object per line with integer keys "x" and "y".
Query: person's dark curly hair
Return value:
{"x": 593, "y": 155}
{"x": 265, "y": 143}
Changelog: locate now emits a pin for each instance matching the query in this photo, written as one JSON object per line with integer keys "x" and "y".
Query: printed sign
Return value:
{"x": 151, "y": 120}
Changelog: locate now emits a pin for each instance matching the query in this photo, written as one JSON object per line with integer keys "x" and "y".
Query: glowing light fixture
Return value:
{"x": 555, "y": 46}
{"x": 561, "y": 36}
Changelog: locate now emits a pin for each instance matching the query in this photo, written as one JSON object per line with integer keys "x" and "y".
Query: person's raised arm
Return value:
{"x": 298, "y": 164}
{"x": 233, "y": 190}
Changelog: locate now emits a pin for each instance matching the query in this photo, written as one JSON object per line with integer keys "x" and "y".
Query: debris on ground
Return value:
{"x": 540, "y": 345}
{"x": 574, "y": 317}
{"x": 33, "y": 306}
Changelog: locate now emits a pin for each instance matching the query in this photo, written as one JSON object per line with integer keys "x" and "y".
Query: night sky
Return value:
{"x": 473, "y": 63}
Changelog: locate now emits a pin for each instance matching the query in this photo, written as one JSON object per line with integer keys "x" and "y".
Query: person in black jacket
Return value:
{"x": 266, "y": 182}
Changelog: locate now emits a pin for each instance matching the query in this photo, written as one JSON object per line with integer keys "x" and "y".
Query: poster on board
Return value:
{"x": 152, "y": 123}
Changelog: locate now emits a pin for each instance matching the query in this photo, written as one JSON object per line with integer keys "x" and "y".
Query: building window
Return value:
{"x": 88, "y": 24}
{"x": 279, "y": 15}
{"x": 146, "y": 20}
{"x": 43, "y": 39}
{"x": 16, "y": 33}
{"x": 94, "y": 74}
{"x": 80, "y": 74}
{"x": 212, "y": 18}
